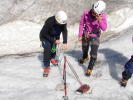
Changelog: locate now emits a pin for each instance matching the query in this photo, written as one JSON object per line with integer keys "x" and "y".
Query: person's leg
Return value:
{"x": 46, "y": 57}
{"x": 47, "y": 52}
{"x": 85, "y": 49}
{"x": 93, "y": 55}
{"x": 125, "y": 77}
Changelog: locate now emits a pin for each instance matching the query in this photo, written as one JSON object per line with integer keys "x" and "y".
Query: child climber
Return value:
{"x": 91, "y": 24}
{"x": 127, "y": 73}
{"x": 50, "y": 37}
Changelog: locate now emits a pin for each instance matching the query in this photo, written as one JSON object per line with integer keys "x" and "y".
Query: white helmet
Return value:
{"x": 61, "y": 17}
{"x": 99, "y": 6}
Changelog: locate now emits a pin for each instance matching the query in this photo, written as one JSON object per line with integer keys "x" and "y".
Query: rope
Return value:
{"x": 74, "y": 72}
{"x": 70, "y": 66}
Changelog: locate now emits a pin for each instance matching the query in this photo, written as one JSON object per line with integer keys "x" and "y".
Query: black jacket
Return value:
{"x": 46, "y": 32}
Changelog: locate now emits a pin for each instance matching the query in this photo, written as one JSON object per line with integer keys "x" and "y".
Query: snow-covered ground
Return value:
{"x": 21, "y": 76}
{"x": 20, "y": 37}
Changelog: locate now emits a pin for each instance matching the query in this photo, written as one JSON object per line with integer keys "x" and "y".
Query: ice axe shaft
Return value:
{"x": 64, "y": 78}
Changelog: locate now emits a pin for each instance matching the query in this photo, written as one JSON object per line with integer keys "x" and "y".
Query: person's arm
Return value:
{"x": 103, "y": 23}
{"x": 81, "y": 25}
{"x": 64, "y": 34}
{"x": 58, "y": 37}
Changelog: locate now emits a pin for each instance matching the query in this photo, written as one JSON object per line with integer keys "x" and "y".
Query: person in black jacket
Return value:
{"x": 50, "y": 37}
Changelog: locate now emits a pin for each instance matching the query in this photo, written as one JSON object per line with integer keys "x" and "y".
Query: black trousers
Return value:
{"x": 93, "y": 43}
{"x": 48, "y": 54}
{"x": 126, "y": 76}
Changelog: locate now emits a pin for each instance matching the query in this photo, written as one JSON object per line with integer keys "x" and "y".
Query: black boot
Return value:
{"x": 88, "y": 72}
{"x": 123, "y": 83}
{"x": 83, "y": 60}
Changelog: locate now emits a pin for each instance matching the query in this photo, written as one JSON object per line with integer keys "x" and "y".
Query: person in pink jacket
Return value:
{"x": 91, "y": 24}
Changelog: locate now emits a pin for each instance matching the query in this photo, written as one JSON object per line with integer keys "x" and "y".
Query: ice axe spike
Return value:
{"x": 65, "y": 97}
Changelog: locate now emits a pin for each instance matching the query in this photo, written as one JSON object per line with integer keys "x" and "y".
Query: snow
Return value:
{"x": 122, "y": 19}
{"x": 20, "y": 37}
{"x": 21, "y": 76}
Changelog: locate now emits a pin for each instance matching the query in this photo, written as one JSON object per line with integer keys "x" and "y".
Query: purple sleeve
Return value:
{"x": 103, "y": 23}
{"x": 81, "y": 25}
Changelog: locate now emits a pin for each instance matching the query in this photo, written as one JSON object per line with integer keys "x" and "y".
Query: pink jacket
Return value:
{"x": 91, "y": 25}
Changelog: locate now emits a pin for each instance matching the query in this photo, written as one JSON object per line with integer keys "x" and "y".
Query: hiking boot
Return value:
{"x": 54, "y": 62}
{"x": 123, "y": 83}
{"x": 83, "y": 60}
{"x": 46, "y": 71}
{"x": 88, "y": 72}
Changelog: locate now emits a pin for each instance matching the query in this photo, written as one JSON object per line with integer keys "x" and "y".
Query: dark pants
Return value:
{"x": 47, "y": 55}
{"x": 126, "y": 76}
{"x": 92, "y": 42}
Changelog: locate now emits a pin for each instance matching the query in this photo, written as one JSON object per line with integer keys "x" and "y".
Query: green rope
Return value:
{"x": 53, "y": 49}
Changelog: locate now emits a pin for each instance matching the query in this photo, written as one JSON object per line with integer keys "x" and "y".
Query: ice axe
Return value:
{"x": 64, "y": 78}
{"x": 60, "y": 86}
{"x": 83, "y": 87}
